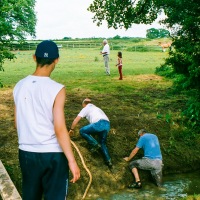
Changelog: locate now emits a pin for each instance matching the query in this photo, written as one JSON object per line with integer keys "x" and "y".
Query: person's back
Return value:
{"x": 34, "y": 98}
{"x": 150, "y": 144}
{"x": 93, "y": 113}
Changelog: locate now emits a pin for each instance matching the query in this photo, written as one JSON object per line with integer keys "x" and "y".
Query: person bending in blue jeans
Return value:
{"x": 99, "y": 125}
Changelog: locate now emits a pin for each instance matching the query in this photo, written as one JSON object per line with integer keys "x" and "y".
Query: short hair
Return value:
{"x": 86, "y": 101}
{"x": 105, "y": 41}
{"x": 141, "y": 131}
{"x": 120, "y": 54}
{"x": 44, "y": 61}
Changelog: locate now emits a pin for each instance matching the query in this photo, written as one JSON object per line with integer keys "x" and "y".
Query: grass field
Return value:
{"x": 77, "y": 66}
{"x": 141, "y": 100}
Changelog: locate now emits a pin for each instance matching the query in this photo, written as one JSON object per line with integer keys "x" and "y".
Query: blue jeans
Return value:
{"x": 100, "y": 128}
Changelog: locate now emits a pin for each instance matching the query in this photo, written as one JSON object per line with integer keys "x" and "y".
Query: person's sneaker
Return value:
{"x": 136, "y": 185}
{"x": 95, "y": 148}
{"x": 109, "y": 164}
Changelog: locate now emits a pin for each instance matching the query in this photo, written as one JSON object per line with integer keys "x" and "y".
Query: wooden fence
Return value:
{"x": 70, "y": 45}
{"x": 7, "y": 188}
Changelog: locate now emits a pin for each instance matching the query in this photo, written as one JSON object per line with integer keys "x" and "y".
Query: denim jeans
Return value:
{"x": 101, "y": 129}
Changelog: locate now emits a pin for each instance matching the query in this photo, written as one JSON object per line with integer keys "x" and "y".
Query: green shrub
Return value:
{"x": 143, "y": 48}
{"x": 164, "y": 70}
{"x": 192, "y": 111}
{"x": 117, "y": 47}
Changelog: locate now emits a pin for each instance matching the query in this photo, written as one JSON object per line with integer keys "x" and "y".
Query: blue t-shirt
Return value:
{"x": 150, "y": 144}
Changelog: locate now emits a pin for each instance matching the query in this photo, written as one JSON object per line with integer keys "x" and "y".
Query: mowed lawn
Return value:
{"x": 84, "y": 68}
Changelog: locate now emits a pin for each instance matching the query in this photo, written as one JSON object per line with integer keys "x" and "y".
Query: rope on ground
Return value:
{"x": 84, "y": 165}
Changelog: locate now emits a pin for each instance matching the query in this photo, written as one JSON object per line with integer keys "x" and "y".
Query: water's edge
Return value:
{"x": 175, "y": 187}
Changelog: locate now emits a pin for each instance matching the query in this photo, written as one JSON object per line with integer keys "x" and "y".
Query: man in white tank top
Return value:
{"x": 45, "y": 152}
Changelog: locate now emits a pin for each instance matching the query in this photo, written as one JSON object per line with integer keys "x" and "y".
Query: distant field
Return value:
{"x": 135, "y": 44}
{"x": 78, "y": 66}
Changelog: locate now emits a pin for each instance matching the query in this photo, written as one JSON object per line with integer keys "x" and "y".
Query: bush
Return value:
{"x": 117, "y": 47}
{"x": 143, "y": 48}
{"x": 165, "y": 70}
{"x": 193, "y": 110}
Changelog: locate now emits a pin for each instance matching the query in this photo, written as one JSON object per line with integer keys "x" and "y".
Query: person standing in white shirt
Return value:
{"x": 45, "y": 152}
{"x": 105, "y": 52}
{"x": 99, "y": 125}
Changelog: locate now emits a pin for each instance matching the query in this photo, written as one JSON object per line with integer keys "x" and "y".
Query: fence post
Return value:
{"x": 7, "y": 188}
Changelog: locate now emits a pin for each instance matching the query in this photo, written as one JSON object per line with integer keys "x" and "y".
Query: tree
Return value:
{"x": 163, "y": 33}
{"x": 17, "y": 20}
{"x": 67, "y": 38}
{"x": 182, "y": 17}
{"x": 116, "y": 37}
{"x": 153, "y": 33}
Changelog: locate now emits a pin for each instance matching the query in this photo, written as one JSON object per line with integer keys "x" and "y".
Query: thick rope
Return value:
{"x": 84, "y": 165}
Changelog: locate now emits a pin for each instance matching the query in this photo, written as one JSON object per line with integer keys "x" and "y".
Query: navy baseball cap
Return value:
{"x": 47, "y": 49}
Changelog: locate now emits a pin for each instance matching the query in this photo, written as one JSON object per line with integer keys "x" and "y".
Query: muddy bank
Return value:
{"x": 180, "y": 154}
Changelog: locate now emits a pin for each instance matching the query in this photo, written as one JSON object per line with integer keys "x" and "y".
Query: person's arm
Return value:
{"x": 104, "y": 51}
{"x": 74, "y": 123}
{"x": 132, "y": 154}
{"x": 63, "y": 135}
{"x": 118, "y": 62}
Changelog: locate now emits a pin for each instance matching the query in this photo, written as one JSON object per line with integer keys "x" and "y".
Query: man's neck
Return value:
{"x": 44, "y": 71}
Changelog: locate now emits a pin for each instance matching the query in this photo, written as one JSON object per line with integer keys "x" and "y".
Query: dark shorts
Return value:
{"x": 44, "y": 174}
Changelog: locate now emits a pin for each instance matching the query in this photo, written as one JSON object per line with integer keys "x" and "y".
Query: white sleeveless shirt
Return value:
{"x": 34, "y": 98}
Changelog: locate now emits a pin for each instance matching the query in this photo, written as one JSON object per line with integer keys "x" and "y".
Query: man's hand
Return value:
{"x": 126, "y": 159}
{"x": 133, "y": 153}
{"x": 75, "y": 171}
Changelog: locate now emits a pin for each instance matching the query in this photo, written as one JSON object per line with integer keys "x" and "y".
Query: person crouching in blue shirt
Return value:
{"x": 152, "y": 159}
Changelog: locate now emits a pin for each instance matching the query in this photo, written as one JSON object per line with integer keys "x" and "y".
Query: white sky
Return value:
{"x": 57, "y": 19}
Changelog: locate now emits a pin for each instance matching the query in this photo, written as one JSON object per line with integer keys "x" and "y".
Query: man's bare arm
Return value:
{"x": 63, "y": 135}
{"x": 132, "y": 154}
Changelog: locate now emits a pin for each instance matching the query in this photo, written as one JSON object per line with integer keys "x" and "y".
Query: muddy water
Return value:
{"x": 175, "y": 187}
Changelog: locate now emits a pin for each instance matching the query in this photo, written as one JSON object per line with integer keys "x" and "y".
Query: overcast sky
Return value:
{"x": 57, "y": 19}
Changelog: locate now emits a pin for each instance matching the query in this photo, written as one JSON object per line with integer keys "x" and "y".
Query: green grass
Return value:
{"x": 141, "y": 100}
{"x": 85, "y": 68}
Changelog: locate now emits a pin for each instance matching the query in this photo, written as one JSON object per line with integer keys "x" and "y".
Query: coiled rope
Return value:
{"x": 84, "y": 165}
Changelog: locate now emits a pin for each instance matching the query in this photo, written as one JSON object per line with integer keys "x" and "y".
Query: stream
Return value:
{"x": 175, "y": 187}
